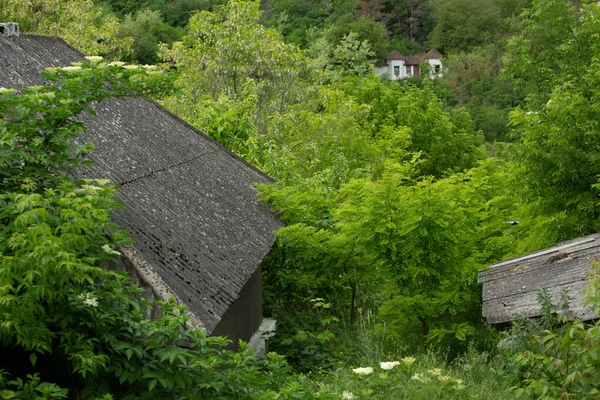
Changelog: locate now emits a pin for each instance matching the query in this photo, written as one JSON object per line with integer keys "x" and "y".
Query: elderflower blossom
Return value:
{"x": 116, "y": 63}
{"x": 408, "y": 361}
{"x": 444, "y": 378}
{"x": 89, "y": 299}
{"x": 94, "y": 59}
{"x": 71, "y": 69}
{"x": 389, "y": 364}
{"x": 108, "y": 250}
{"x": 420, "y": 378}
{"x": 435, "y": 372}
{"x": 363, "y": 371}
{"x": 347, "y": 396}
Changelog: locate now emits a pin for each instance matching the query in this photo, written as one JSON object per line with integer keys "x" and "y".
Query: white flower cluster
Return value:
{"x": 420, "y": 378}
{"x": 94, "y": 59}
{"x": 71, "y": 69}
{"x": 363, "y": 371}
{"x": 389, "y": 364}
{"x": 348, "y": 396}
{"x": 108, "y": 250}
{"x": 437, "y": 373}
{"x": 89, "y": 299}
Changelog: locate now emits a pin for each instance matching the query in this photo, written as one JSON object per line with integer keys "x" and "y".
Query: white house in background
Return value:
{"x": 397, "y": 67}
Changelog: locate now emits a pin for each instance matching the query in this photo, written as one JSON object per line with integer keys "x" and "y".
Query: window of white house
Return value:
{"x": 396, "y": 70}
{"x": 408, "y": 70}
{"x": 437, "y": 68}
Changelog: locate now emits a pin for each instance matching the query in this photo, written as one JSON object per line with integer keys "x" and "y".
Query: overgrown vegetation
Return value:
{"x": 394, "y": 195}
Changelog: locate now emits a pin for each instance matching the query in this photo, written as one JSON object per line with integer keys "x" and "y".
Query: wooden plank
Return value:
{"x": 509, "y": 308}
{"x": 584, "y": 251}
{"x": 549, "y": 275}
{"x": 589, "y": 242}
{"x": 544, "y": 252}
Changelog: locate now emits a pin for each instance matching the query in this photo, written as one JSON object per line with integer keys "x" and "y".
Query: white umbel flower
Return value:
{"x": 89, "y": 299}
{"x": 363, "y": 371}
{"x": 389, "y": 364}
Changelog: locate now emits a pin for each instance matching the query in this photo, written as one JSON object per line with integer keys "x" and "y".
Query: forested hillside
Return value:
{"x": 394, "y": 195}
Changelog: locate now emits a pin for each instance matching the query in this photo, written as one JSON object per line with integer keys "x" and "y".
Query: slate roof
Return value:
{"x": 511, "y": 287}
{"x": 190, "y": 204}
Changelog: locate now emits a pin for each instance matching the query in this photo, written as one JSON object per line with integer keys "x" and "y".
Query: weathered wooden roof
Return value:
{"x": 190, "y": 204}
{"x": 510, "y": 287}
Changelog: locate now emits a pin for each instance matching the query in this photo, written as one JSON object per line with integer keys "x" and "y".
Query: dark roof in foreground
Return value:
{"x": 190, "y": 204}
{"x": 511, "y": 287}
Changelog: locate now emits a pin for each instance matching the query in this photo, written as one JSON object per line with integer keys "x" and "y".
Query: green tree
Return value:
{"x": 472, "y": 80}
{"x": 365, "y": 29}
{"x": 147, "y": 30}
{"x": 459, "y": 30}
{"x": 556, "y": 127}
{"x": 79, "y": 22}
{"x": 224, "y": 51}
{"x": 352, "y": 57}
{"x": 445, "y": 144}
{"x": 296, "y": 19}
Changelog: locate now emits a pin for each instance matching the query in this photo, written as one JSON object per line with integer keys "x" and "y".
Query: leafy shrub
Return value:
{"x": 69, "y": 327}
{"x": 554, "y": 357}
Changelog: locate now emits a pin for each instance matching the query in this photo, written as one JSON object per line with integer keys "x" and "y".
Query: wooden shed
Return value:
{"x": 510, "y": 287}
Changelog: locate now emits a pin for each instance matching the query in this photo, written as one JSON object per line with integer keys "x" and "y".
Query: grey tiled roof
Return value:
{"x": 190, "y": 205}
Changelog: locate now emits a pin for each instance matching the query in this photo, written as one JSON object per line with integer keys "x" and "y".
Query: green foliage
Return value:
{"x": 457, "y": 30}
{"x": 79, "y": 22}
{"x": 319, "y": 144}
{"x": 555, "y": 47}
{"x": 147, "y": 30}
{"x": 68, "y": 325}
{"x": 365, "y": 29}
{"x": 419, "y": 377}
{"x": 38, "y": 123}
{"x": 411, "y": 20}
{"x": 224, "y": 51}
{"x": 295, "y": 19}
{"x": 409, "y": 251}
{"x": 352, "y": 57}
{"x": 473, "y": 80}
{"x": 445, "y": 146}
{"x": 556, "y": 127}
{"x": 178, "y": 12}
{"x": 555, "y": 357}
